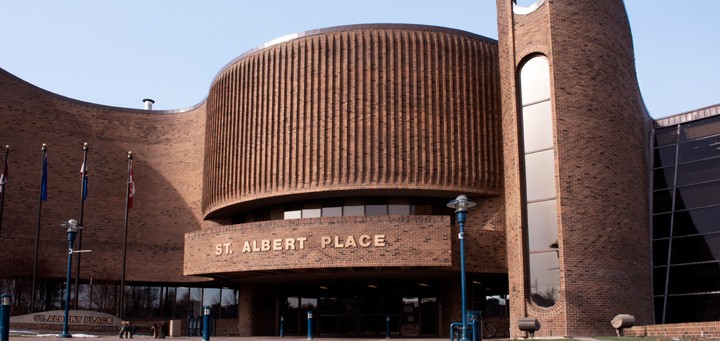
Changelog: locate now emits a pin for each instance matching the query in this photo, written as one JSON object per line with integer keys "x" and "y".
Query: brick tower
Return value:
{"x": 575, "y": 136}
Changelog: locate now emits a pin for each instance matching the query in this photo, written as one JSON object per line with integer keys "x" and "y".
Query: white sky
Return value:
{"x": 118, "y": 52}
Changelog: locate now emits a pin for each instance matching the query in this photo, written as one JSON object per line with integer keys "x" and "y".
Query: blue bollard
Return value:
{"x": 206, "y": 324}
{"x": 387, "y": 327}
{"x": 5, "y": 317}
{"x": 282, "y": 326}
{"x": 310, "y": 336}
{"x": 477, "y": 333}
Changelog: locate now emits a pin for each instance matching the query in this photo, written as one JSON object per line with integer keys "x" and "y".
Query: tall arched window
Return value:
{"x": 540, "y": 188}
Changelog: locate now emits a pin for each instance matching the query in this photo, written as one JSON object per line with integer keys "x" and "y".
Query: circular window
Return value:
{"x": 526, "y": 6}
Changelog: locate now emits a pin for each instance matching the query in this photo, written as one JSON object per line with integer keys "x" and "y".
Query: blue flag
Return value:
{"x": 83, "y": 173}
{"x": 43, "y": 183}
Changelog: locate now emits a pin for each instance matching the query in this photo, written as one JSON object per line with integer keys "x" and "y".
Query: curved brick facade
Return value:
{"x": 601, "y": 133}
{"x": 400, "y": 108}
{"x": 167, "y": 148}
{"x": 362, "y": 110}
{"x": 357, "y": 111}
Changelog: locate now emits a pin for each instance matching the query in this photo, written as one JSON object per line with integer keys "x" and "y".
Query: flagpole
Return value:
{"x": 43, "y": 197}
{"x": 124, "y": 256}
{"x": 2, "y": 185}
{"x": 83, "y": 194}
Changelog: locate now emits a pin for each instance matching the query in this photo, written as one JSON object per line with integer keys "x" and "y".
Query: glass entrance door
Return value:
{"x": 362, "y": 315}
{"x": 419, "y": 316}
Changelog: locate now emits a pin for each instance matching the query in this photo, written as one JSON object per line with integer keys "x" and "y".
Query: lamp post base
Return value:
{"x": 464, "y": 334}
{"x": 64, "y": 335}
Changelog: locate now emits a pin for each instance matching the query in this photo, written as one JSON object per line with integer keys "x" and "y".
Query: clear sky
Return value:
{"x": 119, "y": 52}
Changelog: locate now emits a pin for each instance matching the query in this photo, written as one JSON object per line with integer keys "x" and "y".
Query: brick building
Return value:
{"x": 315, "y": 176}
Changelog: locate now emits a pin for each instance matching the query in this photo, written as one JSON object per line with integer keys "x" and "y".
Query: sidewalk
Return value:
{"x": 32, "y": 336}
{"x": 53, "y": 337}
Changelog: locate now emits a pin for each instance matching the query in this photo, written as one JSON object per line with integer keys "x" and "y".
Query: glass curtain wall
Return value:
{"x": 141, "y": 301}
{"x": 686, "y": 228}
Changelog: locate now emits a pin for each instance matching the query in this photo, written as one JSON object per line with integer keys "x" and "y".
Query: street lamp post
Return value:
{"x": 72, "y": 229}
{"x": 461, "y": 204}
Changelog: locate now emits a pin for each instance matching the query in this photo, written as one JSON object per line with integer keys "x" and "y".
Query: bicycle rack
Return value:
{"x": 456, "y": 329}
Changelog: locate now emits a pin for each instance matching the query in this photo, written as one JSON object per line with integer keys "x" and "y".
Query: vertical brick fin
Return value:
{"x": 399, "y": 108}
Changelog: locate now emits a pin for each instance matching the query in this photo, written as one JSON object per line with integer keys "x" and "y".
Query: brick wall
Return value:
{"x": 301, "y": 243}
{"x": 167, "y": 146}
{"x": 678, "y": 330}
{"x": 601, "y": 136}
{"x": 380, "y": 109}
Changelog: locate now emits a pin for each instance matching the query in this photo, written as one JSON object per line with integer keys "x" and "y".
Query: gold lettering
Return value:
{"x": 350, "y": 242}
{"x": 277, "y": 244}
{"x": 337, "y": 242}
{"x": 380, "y": 240}
{"x": 289, "y": 244}
{"x": 301, "y": 243}
{"x": 365, "y": 241}
{"x": 324, "y": 241}
{"x": 265, "y": 245}
{"x": 246, "y": 247}
{"x": 218, "y": 249}
{"x": 255, "y": 247}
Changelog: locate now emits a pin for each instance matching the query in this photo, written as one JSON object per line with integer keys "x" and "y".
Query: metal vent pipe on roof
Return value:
{"x": 148, "y": 103}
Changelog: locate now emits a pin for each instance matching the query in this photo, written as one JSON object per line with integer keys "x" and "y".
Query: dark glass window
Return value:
{"x": 697, "y": 196}
{"x": 328, "y": 325}
{"x": 663, "y": 177}
{"x": 660, "y": 251}
{"x": 699, "y": 149}
{"x": 211, "y": 297}
{"x": 373, "y": 210}
{"x": 662, "y": 201}
{"x": 665, "y": 136}
{"x": 169, "y": 304}
{"x": 424, "y": 210}
{"x": 401, "y": 210}
{"x": 702, "y": 248}
{"x": 694, "y": 278}
{"x": 697, "y": 172}
{"x": 694, "y": 274}
{"x": 262, "y": 214}
{"x": 229, "y": 304}
{"x": 659, "y": 274}
{"x": 312, "y": 209}
{"x": 84, "y": 300}
{"x": 704, "y": 220}
{"x": 293, "y": 210}
{"x": 661, "y": 225}
{"x": 695, "y": 308}
{"x": 328, "y": 305}
{"x": 659, "y": 303}
{"x": 664, "y": 156}
{"x": 331, "y": 211}
{"x": 701, "y": 128}
{"x": 354, "y": 207}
